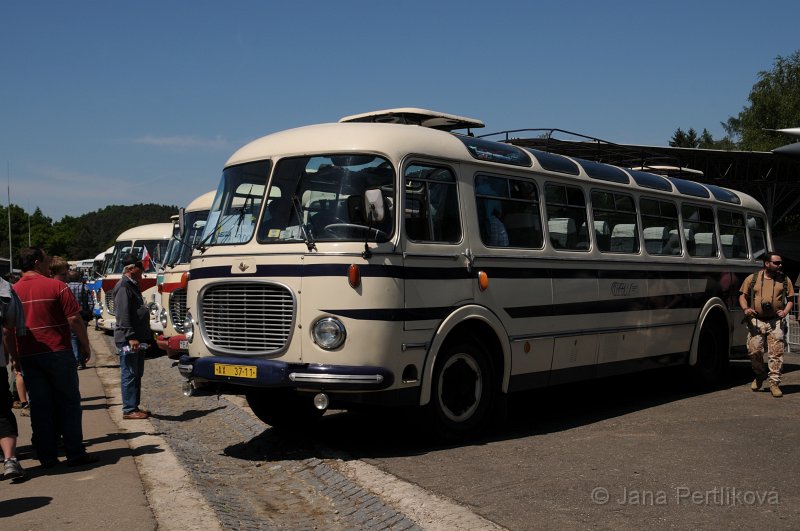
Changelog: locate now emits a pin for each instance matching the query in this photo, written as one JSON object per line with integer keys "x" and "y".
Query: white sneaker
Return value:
{"x": 12, "y": 469}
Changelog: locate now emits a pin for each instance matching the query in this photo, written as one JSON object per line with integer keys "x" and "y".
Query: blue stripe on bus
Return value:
{"x": 439, "y": 273}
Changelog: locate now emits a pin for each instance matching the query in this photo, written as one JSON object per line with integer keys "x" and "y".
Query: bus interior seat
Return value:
{"x": 689, "y": 235}
{"x": 655, "y": 238}
{"x": 563, "y": 234}
{"x": 623, "y": 238}
{"x": 520, "y": 229}
{"x": 673, "y": 244}
{"x": 704, "y": 244}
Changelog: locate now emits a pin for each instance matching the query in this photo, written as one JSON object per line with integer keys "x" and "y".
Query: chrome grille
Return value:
{"x": 247, "y": 317}
{"x": 177, "y": 308}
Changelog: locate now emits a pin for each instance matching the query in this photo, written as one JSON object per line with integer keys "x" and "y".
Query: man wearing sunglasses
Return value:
{"x": 766, "y": 299}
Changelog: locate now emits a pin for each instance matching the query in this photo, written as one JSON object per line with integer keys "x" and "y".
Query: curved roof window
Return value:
{"x": 650, "y": 180}
{"x": 553, "y": 162}
{"x": 690, "y": 188}
{"x": 495, "y": 151}
{"x": 723, "y": 194}
{"x": 604, "y": 172}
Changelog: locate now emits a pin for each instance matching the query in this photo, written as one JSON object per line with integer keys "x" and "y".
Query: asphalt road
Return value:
{"x": 622, "y": 453}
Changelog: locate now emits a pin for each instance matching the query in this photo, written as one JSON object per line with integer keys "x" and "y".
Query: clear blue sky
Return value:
{"x": 107, "y": 102}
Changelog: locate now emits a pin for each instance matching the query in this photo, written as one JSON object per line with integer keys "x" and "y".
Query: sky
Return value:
{"x": 110, "y": 102}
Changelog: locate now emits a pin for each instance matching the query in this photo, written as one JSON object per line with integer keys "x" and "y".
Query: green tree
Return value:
{"x": 774, "y": 104}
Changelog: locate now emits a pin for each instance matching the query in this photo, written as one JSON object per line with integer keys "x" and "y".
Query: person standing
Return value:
{"x": 766, "y": 299}
{"x": 47, "y": 361}
{"x": 12, "y": 317}
{"x": 131, "y": 335}
{"x": 78, "y": 289}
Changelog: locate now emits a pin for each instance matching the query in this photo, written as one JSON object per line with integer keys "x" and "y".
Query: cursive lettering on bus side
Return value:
{"x": 624, "y": 289}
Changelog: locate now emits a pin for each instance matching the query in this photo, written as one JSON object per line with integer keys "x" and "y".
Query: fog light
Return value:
{"x": 321, "y": 401}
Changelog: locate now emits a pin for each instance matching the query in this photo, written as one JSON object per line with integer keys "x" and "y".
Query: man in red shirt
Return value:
{"x": 48, "y": 365}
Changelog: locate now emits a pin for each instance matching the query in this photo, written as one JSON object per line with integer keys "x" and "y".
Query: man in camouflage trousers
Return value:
{"x": 765, "y": 298}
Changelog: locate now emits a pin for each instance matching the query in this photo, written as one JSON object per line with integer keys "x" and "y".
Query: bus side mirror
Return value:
{"x": 181, "y": 220}
{"x": 373, "y": 203}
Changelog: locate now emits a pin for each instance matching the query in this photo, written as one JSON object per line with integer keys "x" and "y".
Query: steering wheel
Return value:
{"x": 335, "y": 228}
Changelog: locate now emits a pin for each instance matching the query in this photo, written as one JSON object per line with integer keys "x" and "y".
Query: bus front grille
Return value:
{"x": 177, "y": 308}
{"x": 247, "y": 317}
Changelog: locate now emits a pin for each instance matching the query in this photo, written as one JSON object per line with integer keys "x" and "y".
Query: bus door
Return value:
{"x": 435, "y": 248}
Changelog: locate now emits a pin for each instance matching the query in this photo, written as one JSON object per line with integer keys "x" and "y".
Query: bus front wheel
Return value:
{"x": 711, "y": 368}
{"x": 463, "y": 391}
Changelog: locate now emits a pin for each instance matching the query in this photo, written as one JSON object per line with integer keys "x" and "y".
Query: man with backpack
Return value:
{"x": 766, "y": 299}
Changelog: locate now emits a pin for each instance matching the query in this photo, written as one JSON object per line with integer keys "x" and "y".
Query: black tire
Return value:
{"x": 713, "y": 363}
{"x": 283, "y": 408}
{"x": 463, "y": 392}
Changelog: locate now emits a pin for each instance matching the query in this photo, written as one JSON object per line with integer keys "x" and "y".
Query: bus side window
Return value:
{"x": 732, "y": 234}
{"x": 758, "y": 235}
{"x": 566, "y": 211}
{"x": 618, "y": 212}
{"x": 508, "y": 212}
{"x": 698, "y": 226}
{"x": 660, "y": 227}
{"x": 431, "y": 205}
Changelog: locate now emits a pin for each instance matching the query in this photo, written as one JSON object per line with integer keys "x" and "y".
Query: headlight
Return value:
{"x": 329, "y": 333}
{"x": 188, "y": 327}
{"x": 153, "y": 307}
{"x": 163, "y": 317}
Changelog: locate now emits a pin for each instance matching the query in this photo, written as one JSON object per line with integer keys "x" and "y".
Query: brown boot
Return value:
{"x": 775, "y": 390}
{"x": 756, "y": 385}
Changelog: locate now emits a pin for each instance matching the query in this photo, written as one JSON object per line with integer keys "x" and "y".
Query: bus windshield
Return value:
{"x": 310, "y": 199}
{"x": 181, "y": 245}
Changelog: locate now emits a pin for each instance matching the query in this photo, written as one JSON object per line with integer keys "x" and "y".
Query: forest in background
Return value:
{"x": 76, "y": 238}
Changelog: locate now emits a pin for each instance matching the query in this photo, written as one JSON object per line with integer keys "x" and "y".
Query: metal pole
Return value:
{"x": 10, "y": 253}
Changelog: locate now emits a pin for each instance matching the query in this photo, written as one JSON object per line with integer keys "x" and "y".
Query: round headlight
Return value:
{"x": 162, "y": 317}
{"x": 188, "y": 327}
{"x": 329, "y": 333}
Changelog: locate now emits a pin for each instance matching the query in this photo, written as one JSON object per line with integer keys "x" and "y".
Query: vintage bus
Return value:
{"x": 149, "y": 243}
{"x": 173, "y": 296}
{"x": 386, "y": 259}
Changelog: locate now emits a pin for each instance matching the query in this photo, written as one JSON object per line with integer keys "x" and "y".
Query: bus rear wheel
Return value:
{"x": 463, "y": 392}
{"x": 282, "y": 408}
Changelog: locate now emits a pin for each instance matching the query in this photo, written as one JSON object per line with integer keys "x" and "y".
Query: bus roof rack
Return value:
{"x": 416, "y": 116}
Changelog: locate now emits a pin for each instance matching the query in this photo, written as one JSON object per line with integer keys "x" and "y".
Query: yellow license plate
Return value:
{"x": 237, "y": 371}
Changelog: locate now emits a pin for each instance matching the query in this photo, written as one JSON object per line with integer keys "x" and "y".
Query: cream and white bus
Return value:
{"x": 148, "y": 243}
{"x": 402, "y": 264}
{"x": 176, "y": 265}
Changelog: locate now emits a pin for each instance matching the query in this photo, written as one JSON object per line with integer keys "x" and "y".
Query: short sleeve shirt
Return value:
{"x": 47, "y": 303}
{"x": 766, "y": 289}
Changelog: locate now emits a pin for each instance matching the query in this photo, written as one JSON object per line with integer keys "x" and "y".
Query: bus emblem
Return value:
{"x": 624, "y": 289}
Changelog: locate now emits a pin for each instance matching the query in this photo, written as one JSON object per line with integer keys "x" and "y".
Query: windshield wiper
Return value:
{"x": 308, "y": 238}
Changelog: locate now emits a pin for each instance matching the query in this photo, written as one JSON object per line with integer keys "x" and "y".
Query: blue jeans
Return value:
{"x": 76, "y": 347}
{"x": 131, "y": 369}
{"x": 52, "y": 382}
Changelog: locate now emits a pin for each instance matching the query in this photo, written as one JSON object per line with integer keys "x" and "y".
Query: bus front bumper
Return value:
{"x": 273, "y": 373}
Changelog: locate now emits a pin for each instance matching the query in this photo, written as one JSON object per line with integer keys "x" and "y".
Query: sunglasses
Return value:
{"x": 777, "y": 262}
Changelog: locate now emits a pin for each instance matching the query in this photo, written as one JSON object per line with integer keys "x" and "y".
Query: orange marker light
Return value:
{"x": 185, "y": 280}
{"x": 354, "y": 276}
{"x": 483, "y": 280}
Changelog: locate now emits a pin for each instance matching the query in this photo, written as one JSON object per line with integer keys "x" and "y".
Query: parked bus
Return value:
{"x": 148, "y": 243}
{"x": 396, "y": 264}
{"x": 173, "y": 296}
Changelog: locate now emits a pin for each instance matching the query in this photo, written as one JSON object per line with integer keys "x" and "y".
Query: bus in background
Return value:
{"x": 387, "y": 260}
{"x": 171, "y": 279}
{"x": 149, "y": 244}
